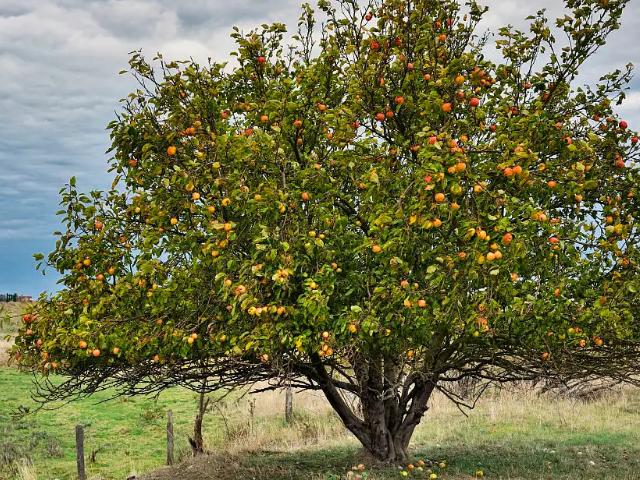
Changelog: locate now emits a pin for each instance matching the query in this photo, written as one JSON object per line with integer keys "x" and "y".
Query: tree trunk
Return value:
{"x": 197, "y": 442}
{"x": 391, "y": 406}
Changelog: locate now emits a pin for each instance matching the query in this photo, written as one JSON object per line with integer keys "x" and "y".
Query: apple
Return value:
{"x": 474, "y": 102}
{"x": 297, "y": 123}
{"x": 376, "y": 249}
{"x": 368, "y": 16}
{"x": 262, "y": 60}
{"x": 439, "y": 197}
{"x": 380, "y": 117}
{"x": 305, "y": 196}
{"x": 171, "y": 150}
{"x": 623, "y": 125}
{"x": 447, "y": 107}
{"x": 399, "y": 100}
{"x": 634, "y": 139}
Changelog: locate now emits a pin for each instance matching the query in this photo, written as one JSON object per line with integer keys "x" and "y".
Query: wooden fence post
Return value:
{"x": 288, "y": 404}
{"x": 80, "y": 452}
{"x": 169, "y": 437}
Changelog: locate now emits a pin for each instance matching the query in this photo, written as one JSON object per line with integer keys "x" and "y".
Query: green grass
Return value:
{"x": 509, "y": 436}
{"x": 129, "y": 433}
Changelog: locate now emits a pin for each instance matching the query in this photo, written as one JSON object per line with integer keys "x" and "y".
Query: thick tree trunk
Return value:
{"x": 391, "y": 407}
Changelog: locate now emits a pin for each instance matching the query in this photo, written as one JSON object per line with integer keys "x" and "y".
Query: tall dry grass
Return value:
{"x": 255, "y": 423}
{"x": 25, "y": 470}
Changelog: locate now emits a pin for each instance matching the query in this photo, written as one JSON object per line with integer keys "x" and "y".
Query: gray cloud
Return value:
{"x": 59, "y": 85}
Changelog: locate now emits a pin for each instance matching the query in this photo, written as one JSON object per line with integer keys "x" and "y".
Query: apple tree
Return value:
{"x": 373, "y": 208}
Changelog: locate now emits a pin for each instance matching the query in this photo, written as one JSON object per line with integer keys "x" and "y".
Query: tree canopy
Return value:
{"x": 374, "y": 209}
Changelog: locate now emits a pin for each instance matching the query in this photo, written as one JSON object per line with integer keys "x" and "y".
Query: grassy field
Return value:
{"x": 9, "y": 317}
{"x": 511, "y": 435}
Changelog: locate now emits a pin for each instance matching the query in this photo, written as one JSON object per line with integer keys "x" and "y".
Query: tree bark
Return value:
{"x": 197, "y": 442}
{"x": 390, "y": 409}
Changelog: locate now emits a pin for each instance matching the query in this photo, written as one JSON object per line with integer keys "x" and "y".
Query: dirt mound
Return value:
{"x": 302, "y": 464}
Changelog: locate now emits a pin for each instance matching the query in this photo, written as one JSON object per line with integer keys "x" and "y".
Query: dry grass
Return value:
{"x": 9, "y": 317}
{"x": 25, "y": 471}
{"x": 512, "y": 434}
{"x": 256, "y": 423}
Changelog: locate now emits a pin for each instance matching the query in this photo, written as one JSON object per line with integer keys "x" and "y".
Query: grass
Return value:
{"x": 128, "y": 433}
{"x": 9, "y": 318}
{"x": 511, "y": 435}
{"x": 10, "y": 313}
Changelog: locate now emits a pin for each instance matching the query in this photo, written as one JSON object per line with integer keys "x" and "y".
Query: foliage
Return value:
{"x": 374, "y": 211}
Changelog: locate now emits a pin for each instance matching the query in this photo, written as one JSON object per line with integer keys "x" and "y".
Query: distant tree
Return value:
{"x": 376, "y": 212}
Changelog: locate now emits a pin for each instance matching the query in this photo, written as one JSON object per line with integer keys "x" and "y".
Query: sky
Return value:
{"x": 59, "y": 87}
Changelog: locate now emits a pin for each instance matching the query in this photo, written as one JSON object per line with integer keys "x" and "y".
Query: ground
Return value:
{"x": 512, "y": 434}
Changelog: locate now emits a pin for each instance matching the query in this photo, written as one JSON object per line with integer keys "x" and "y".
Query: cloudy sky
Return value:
{"x": 59, "y": 88}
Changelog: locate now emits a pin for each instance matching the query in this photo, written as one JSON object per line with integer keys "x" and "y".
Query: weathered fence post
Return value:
{"x": 169, "y": 437}
{"x": 80, "y": 452}
{"x": 288, "y": 404}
